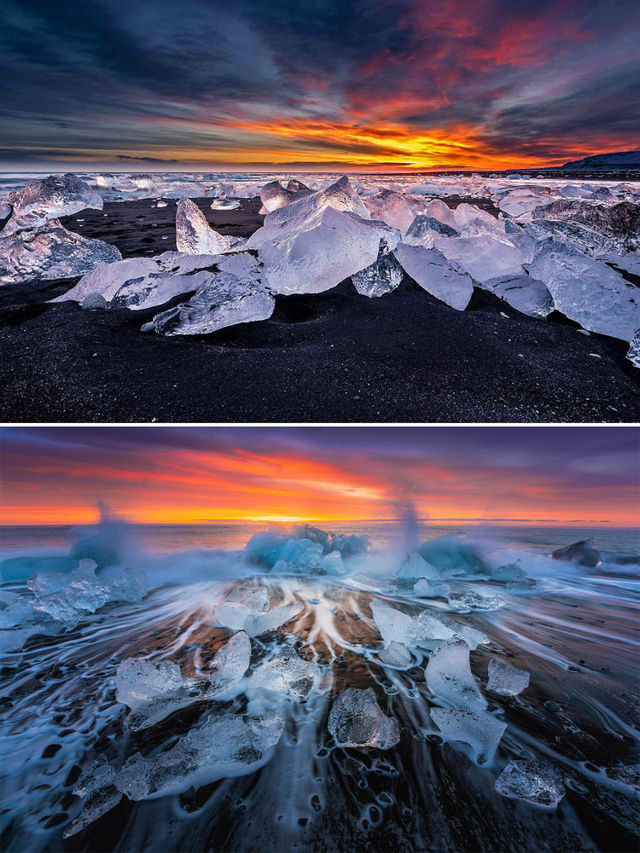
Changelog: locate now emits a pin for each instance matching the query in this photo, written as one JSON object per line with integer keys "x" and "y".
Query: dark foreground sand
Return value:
{"x": 331, "y": 357}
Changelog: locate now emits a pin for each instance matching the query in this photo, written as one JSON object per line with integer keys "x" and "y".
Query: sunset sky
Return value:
{"x": 541, "y": 475}
{"x": 336, "y": 84}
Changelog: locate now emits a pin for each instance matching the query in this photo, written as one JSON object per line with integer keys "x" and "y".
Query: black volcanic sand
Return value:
{"x": 330, "y": 357}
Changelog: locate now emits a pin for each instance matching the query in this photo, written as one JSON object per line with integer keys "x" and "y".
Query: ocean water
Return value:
{"x": 573, "y": 628}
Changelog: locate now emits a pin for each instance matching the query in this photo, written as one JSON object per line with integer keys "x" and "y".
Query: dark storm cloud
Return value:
{"x": 183, "y": 77}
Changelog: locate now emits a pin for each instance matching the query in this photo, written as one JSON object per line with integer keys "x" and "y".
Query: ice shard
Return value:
{"x": 587, "y": 290}
{"x": 485, "y": 258}
{"x": 392, "y": 208}
{"x": 506, "y": 679}
{"x": 49, "y": 252}
{"x": 230, "y": 662}
{"x": 535, "y": 782}
{"x": 449, "y": 677}
{"x": 225, "y": 745}
{"x": 340, "y": 196}
{"x": 526, "y": 294}
{"x": 381, "y": 277}
{"x": 432, "y": 271}
{"x": 288, "y": 673}
{"x": 195, "y": 236}
{"x": 437, "y": 209}
{"x": 356, "y": 720}
{"x": 425, "y": 230}
{"x": 465, "y": 602}
{"x": 479, "y": 730}
{"x": 55, "y": 196}
{"x": 96, "y": 788}
{"x": 273, "y": 195}
{"x": 451, "y": 553}
{"x": 634, "y": 349}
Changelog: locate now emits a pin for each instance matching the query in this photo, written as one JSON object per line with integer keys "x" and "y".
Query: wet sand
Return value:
{"x": 330, "y": 357}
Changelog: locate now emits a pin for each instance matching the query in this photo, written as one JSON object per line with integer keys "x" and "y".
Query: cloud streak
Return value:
{"x": 404, "y": 83}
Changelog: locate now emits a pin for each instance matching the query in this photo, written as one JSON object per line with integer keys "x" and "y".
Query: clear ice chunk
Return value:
{"x": 432, "y": 271}
{"x": 273, "y": 195}
{"x": 392, "y": 208}
{"x": 465, "y": 602}
{"x": 194, "y": 235}
{"x": 424, "y": 231}
{"x": 526, "y": 294}
{"x": 356, "y": 720}
{"x": 50, "y": 198}
{"x": 154, "y": 689}
{"x": 49, "y": 252}
{"x": 480, "y": 731}
{"x": 422, "y": 630}
{"x": 341, "y": 196}
{"x": 246, "y": 609}
{"x": 96, "y": 787}
{"x": 634, "y": 349}
{"x": 222, "y": 746}
{"x": 506, "y": 679}
{"x": 437, "y": 209}
{"x": 287, "y": 673}
{"x": 485, "y": 258}
{"x": 381, "y": 277}
{"x": 22, "y": 568}
{"x": 415, "y": 566}
{"x": 535, "y": 782}
{"x": 449, "y": 677}
{"x": 587, "y": 290}
{"x": 396, "y": 654}
{"x": 222, "y": 299}
{"x": 230, "y": 662}
{"x": 429, "y": 589}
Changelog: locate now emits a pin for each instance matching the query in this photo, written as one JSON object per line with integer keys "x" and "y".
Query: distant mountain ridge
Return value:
{"x": 613, "y": 162}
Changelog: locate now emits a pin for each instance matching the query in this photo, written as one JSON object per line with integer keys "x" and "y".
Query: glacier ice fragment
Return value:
{"x": 535, "y": 782}
{"x": 449, "y": 676}
{"x": 506, "y": 679}
{"x": 356, "y": 720}
{"x": 480, "y": 730}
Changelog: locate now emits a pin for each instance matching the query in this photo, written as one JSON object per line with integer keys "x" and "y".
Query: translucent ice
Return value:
{"x": 357, "y": 720}
{"x": 48, "y": 252}
{"x": 429, "y": 589}
{"x": 449, "y": 677}
{"x": 381, "y": 277}
{"x": 431, "y": 270}
{"x": 587, "y": 290}
{"x": 423, "y": 630}
{"x": 533, "y": 781}
{"x": 55, "y": 196}
{"x": 508, "y": 573}
{"x": 226, "y": 745}
{"x": 396, "y": 654}
{"x": 437, "y": 209}
{"x": 415, "y": 566}
{"x": 481, "y": 731}
{"x": 287, "y": 673}
{"x": 153, "y": 690}
{"x": 273, "y": 195}
{"x": 634, "y": 350}
{"x": 465, "y": 602}
{"x": 318, "y": 251}
{"x": 246, "y": 608}
{"x": 424, "y": 231}
{"x": 391, "y": 207}
{"x": 484, "y": 258}
{"x": 222, "y": 299}
{"x": 21, "y": 568}
{"x": 583, "y": 553}
{"x": 506, "y": 679}
{"x": 96, "y": 787}
{"x": 525, "y": 293}
{"x": 230, "y": 662}
{"x": 195, "y": 236}
{"x": 340, "y": 196}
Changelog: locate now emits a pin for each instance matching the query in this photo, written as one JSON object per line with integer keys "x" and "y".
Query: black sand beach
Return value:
{"x": 335, "y": 356}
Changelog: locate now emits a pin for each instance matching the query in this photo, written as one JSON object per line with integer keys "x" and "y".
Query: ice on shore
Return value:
{"x": 479, "y": 730}
{"x": 48, "y": 252}
{"x": 318, "y": 249}
{"x": 536, "y": 782}
{"x": 449, "y": 677}
{"x": 195, "y": 236}
{"x": 524, "y": 293}
{"x": 340, "y": 196}
{"x": 396, "y": 654}
{"x": 485, "y": 258}
{"x": 619, "y": 221}
{"x": 451, "y": 553}
{"x": 50, "y": 198}
{"x": 356, "y": 720}
{"x": 230, "y": 662}
{"x": 432, "y": 271}
{"x": 465, "y": 602}
{"x": 587, "y": 290}
{"x": 424, "y": 630}
{"x": 221, "y": 746}
{"x": 235, "y": 293}
{"x": 392, "y": 208}
{"x": 506, "y": 679}
{"x": 246, "y": 608}
{"x": 312, "y": 551}
{"x": 583, "y": 553}
{"x": 415, "y": 566}
{"x": 96, "y": 788}
{"x": 440, "y": 211}
{"x": 22, "y": 568}
{"x": 634, "y": 350}
{"x": 429, "y": 589}
{"x": 273, "y": 195}
{"x": 288, "y": 673}
{"x": 381, "y": 277}
{"x": 425, "y": 230}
